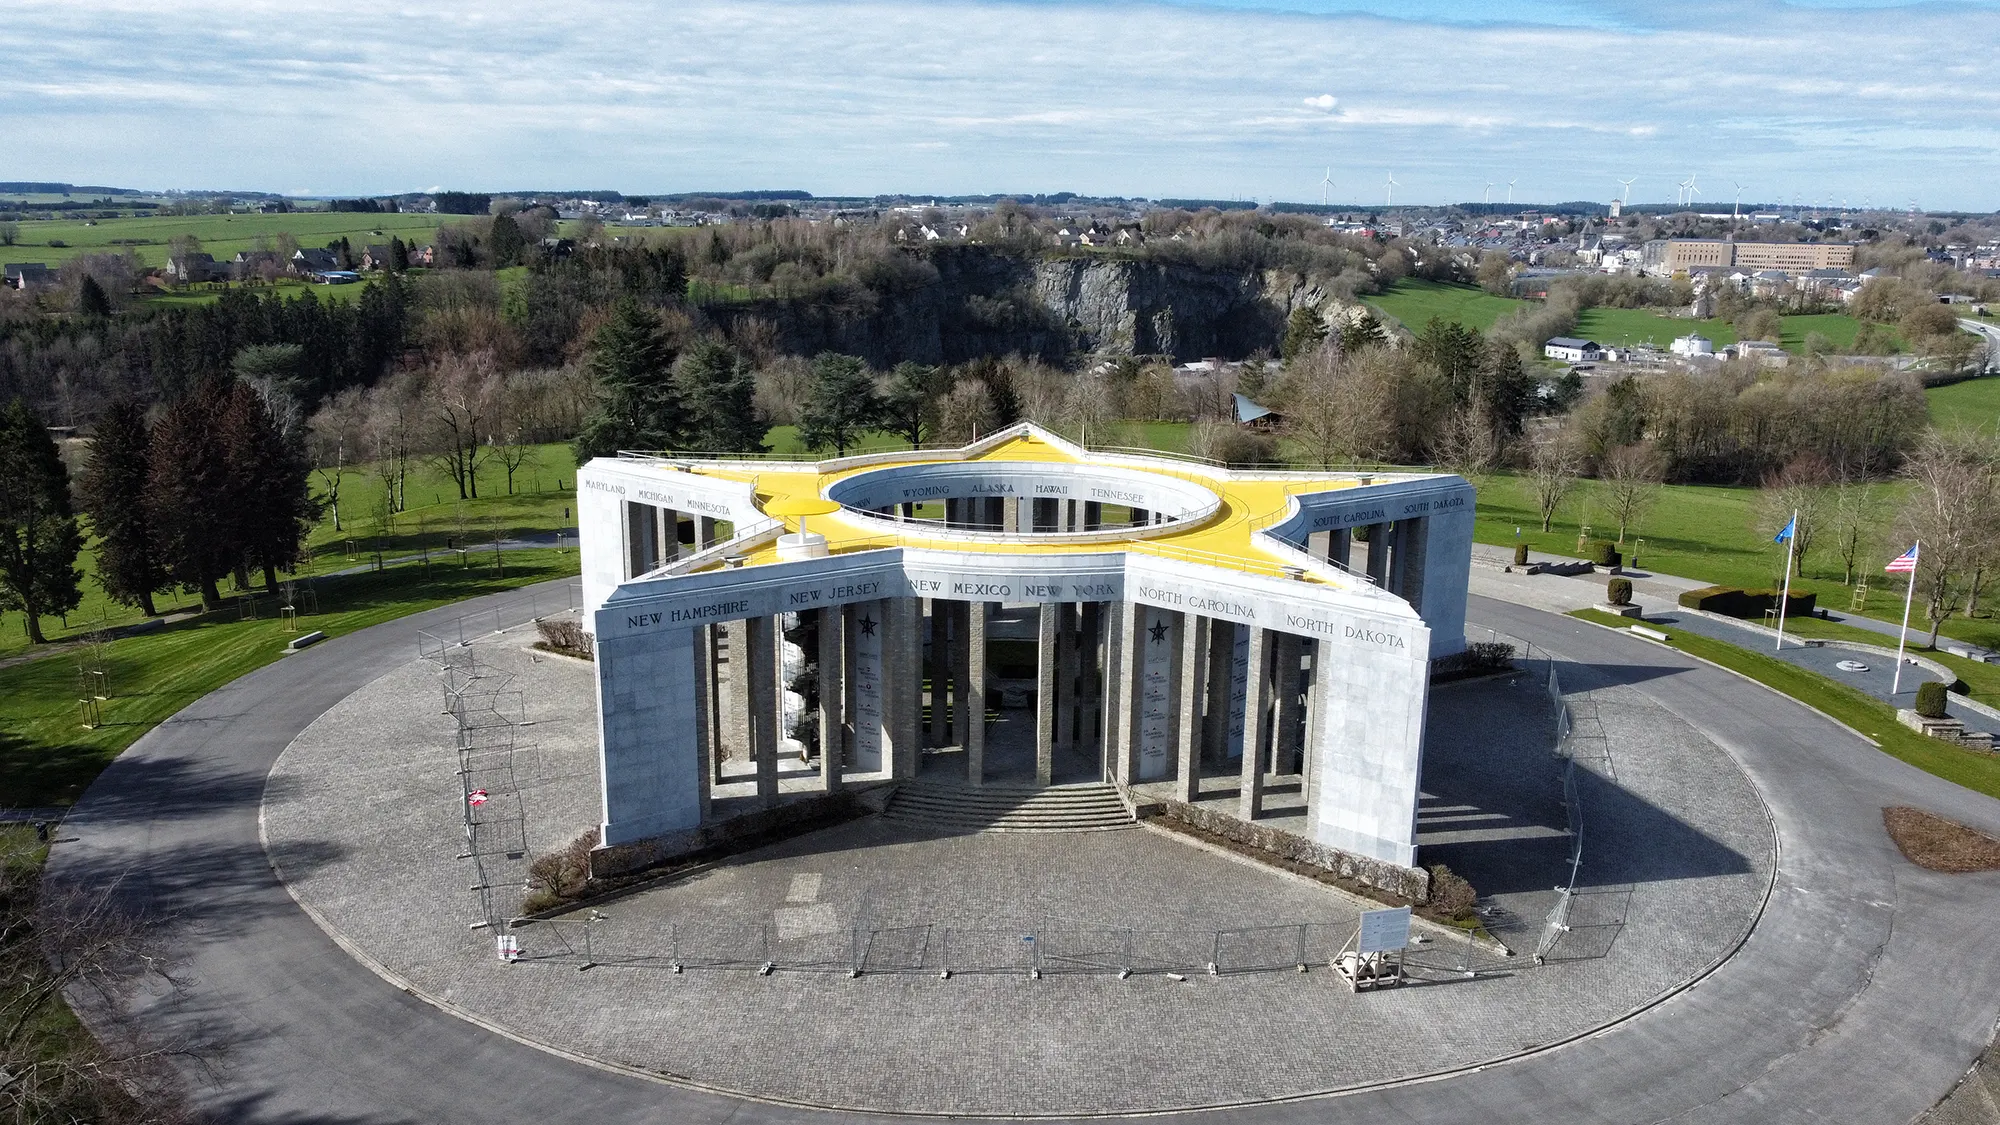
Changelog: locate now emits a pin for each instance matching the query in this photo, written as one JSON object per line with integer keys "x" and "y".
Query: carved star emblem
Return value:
{"x": 867, "y": 626}
{"x": 1159, "y": 631}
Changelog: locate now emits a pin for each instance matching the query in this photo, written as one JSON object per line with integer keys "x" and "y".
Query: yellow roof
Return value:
{"x": 1248, "y": 503}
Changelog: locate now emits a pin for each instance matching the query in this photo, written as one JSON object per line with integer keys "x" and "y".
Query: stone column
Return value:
{"x": 1048, "y": 701}
{"x": 970, "y": 713}
{"x": 1340, "y": 546}
{"x": 867, "y": 697}
{"x": 1318, "y": 544}
{"x": 1066, "y": 671}
{"x": 1221, "y": 654}
{"x": 1121, "y": 695}
{"x": 941, "y": 613}
{"x": 1250, "y": 791}
{"x": 1316, "y": 719}
{"x": 1090, "y": 680}
{"x": 735, "y": 735}
{"x": 1093, "y": 515}
{"x": 704, "y": 532}
{"x": 832, "y": 695}
{"x": 1287, "y": 738}
{"x": 1378, "y": 554}
{"x": 704, "y": 711}
{"x": 762, "y": 665}
{"x": 1410, "y": 544}
{"x": 1190, "y": 686}
{"x": 1140, "y": 517}
{"x": 899, "y": 678}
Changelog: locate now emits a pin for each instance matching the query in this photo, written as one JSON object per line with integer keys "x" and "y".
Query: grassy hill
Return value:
{"x": 221, "y": 235}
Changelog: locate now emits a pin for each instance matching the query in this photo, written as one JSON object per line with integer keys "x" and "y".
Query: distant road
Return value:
{"x": 1991, "y": 333}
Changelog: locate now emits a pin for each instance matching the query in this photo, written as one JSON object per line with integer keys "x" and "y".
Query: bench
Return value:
{"x": 305, "y": 640}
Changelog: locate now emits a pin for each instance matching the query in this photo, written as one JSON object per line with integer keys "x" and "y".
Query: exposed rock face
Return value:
{"x": 985, "y": 302}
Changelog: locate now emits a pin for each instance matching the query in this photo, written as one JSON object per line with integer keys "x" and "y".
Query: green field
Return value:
{"x": 47, "y": 756}
{"x": 1414, "y": 301}
{"x": 1975, "y": 402}
{"x": 221, "y": 235}
{"x": 1639, "y": 326}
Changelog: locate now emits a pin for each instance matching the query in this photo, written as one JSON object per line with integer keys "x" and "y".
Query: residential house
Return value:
{"x": 1254, "y": 416}
{"x": 1569, "y": 349}
{"x": 309, "y": 262}
{"x": 190, "y": 269}
{"x": 376, "y": 257}
{"x": 27, "y": 275}
{"x": 421, "y": 255}
{"x": 256, "y": 265}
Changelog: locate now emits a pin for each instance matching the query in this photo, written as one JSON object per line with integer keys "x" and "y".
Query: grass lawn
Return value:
{"x": 1975, "y": 402}
{"x": 220, "y": 235}
{"x": 1837, "y": 327}
{"x": 211, "y": 293}
{"x": 1414, "y": 301}
{"x": 1639, "y": 326}
{"x": 47, "y": 757}
{"x": 1870, "y": 716}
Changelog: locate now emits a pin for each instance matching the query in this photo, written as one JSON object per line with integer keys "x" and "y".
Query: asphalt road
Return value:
{"x": 1866, "y": 989}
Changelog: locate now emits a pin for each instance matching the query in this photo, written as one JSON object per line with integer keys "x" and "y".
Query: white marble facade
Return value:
{"x": 1370, "y": 648}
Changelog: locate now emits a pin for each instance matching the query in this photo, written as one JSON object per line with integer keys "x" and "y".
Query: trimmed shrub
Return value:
{"x": 1751, "y": 605}
{"x": 561, "y": 875}
{"x": 1618, "y": 591}
{"x": 1451, "y": 896}
{"x": 1520, "y": 554}
{"x": 1601, "y": 552}
{"x": 1930, "y": 699}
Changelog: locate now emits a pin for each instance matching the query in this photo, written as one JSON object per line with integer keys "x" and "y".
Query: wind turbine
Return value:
{"x": 1510, "y": 188}
{"x": 1391, "y": 200}
{"x": 1326, "y": 185}
{"x": 1487, "y": 195}
{"x": 1692, "y": 189}
{"x": 1737, "y": 215}
{"x": 1625, "y": 196}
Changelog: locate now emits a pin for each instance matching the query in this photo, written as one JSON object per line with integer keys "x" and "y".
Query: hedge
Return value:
{"x": 1752, "y": 605}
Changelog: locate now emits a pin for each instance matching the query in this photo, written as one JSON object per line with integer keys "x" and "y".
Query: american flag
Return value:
{"x": 1905, "y": 563}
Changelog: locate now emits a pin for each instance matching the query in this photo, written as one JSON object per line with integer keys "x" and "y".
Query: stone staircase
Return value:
{"x": 1094, "y": 807}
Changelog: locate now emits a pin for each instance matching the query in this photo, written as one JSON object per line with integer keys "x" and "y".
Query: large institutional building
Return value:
{"x": 1678, "y": 255}
{"x": 1018, "y": 612}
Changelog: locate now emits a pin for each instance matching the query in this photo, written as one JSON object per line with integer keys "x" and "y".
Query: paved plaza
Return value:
{"x": 362, "y": 819}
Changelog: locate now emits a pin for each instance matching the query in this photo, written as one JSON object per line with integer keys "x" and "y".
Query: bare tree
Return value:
{"x": 1802, "y": 488}
{"x": 76, "y": 942}
{"x": 1552, "y": 470}
{"x": 335, "y": 435}
{"x": 391, "y": 431}
{"x": 1465, "y": 443}
{"x": 1851, "y": 524}
{"x": 1629, "y": 484}
{"x": 461, "y": 398}
{"x": 966, "y": 413}
{"x": 1952, "y": 511}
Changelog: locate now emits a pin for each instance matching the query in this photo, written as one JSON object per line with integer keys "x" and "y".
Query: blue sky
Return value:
{"x": 1217, "y": 99}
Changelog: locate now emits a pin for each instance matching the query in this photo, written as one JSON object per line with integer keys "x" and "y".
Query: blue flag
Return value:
{"x": 1785, "y": 536}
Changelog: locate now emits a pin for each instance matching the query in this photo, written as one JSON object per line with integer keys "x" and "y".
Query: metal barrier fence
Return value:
{"x": 537, "y": 604}
{"x": 593, "y": 938}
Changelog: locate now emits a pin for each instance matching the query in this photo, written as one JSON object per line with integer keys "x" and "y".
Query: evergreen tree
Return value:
{"x": 113, "y": 492}
{"x": 269, "y": 470}
{"x": 716, "y": 384}
{"x": 1458, "y": 352}
{"x": 190, "y": 497}
{"x": 505, "y": 241}
{"x": 399, "y": 255}
{"x": 38, "y": 534}
{"x": 840, "y": 405}
{"x": 1304, "y": 330}
{"x": 638, "y": 406}
{"x": 1506, "y": 392}
{"x": 92, "y": 303}
{"x": 910, "y": 403}
{"x": 1361, "y": 332}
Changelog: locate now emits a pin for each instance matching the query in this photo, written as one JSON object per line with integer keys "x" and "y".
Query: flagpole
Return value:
{"x": 1904, "y": 637}
{"x": 1784, "y": 599}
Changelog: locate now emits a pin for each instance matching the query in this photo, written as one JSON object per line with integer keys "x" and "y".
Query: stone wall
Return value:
{"x": 1408, "y": 882}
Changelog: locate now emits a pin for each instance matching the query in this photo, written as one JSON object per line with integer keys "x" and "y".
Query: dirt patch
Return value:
{"x": 1930, "y": 841}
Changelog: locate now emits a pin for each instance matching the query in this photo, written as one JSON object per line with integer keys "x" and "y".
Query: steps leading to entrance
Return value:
{"x": 1093, "y": 807}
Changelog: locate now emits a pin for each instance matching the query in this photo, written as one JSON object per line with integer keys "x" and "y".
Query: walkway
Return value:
{"x": 1867, "y": 988}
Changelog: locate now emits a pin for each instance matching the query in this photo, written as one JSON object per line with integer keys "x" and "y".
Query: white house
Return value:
{"x": 1572, "y": 350}
{"x": 1691, "y": 346}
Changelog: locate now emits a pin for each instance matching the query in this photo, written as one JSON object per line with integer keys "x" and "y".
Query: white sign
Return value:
{"x": 508, "y": 947}
{"x": 1385, "y": 931}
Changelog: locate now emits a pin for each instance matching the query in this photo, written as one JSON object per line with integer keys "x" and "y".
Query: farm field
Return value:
{"x": 220, "y": 235}
{"x": 1414, "y": 301}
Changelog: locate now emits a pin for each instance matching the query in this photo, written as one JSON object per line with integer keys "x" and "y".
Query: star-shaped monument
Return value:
{"x": 1159, "y": 631}
{"x": 867, "y": 624}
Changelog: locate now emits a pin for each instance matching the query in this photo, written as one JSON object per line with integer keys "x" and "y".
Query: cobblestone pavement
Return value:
{"x": 362, "y": 816}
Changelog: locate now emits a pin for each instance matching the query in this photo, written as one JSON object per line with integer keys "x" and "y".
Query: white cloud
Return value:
{"x": 860, "y": 96}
